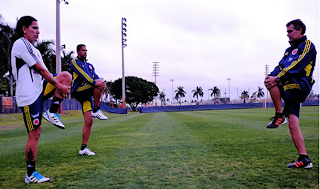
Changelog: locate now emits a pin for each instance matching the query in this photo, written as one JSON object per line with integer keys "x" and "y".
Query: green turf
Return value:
{"x": 195, "y": 149}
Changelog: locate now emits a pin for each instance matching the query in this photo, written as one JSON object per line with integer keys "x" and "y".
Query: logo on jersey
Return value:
{"x": 35, "y": 115}
{"x": 36, "y": 121}
{"x": 294, "y": 52}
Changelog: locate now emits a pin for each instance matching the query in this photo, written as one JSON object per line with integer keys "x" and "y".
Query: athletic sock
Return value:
{"x": 95, "y": 109}
{"x": 83, "y": 146}
{"x": 279, "y": 114}
{"x": 303, "y": 157}
{"x": 55, "y": 104}
{"x": 31, "y": 167}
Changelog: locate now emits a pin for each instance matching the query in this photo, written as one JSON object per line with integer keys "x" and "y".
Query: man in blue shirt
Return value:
{"x": 292, "y": 81}
{"x": 86, "y": 85}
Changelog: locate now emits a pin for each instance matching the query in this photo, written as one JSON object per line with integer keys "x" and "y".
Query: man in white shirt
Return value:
{"x": 34, "y": 84}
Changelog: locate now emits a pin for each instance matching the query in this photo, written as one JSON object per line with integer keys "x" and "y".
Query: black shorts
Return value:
{"x": 84, "y": 96}
{"x": 291, "y": 107}
{"x": 292, "y": 100}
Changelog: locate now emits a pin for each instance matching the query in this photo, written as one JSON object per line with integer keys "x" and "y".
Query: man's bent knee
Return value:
{"x": 64, "y": 77}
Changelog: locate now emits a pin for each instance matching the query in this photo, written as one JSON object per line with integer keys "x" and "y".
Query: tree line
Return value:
{"x": 179, "y": 93}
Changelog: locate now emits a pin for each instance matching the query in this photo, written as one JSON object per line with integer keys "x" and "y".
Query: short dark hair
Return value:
{"x": 79, "y": 46}
{"x": 297, "y": 25}
{"x": 24, "y": 21}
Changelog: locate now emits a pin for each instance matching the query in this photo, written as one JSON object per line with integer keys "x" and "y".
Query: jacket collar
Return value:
{"x": 297, "y": 41}
{"x": 82, "y": 60}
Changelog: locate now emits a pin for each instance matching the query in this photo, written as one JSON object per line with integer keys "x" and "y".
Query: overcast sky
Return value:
{"x": 197, "y": 43}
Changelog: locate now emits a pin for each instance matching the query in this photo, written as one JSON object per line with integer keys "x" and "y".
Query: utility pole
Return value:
{"x": 155, "y": 71}
{"x": 155, "y": 74}
{"x": 267, "y": 73}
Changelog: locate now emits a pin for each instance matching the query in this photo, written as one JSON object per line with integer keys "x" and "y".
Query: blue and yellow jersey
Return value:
{"x": 297, "y": 63}
{"x": 83, "y": 74}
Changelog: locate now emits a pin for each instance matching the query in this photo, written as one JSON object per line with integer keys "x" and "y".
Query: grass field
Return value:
{"x": 198, "y": 149}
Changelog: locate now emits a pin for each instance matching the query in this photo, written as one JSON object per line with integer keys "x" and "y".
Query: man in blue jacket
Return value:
{"x": 86, "y": 85}
{"x": 292, "y": 81}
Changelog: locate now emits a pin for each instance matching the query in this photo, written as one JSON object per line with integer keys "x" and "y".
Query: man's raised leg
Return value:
{"x": 51, "y": 115}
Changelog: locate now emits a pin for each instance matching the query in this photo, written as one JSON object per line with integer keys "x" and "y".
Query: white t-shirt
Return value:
{"x": 29, "y": 83}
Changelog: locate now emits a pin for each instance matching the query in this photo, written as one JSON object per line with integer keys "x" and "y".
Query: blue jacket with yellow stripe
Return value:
{"x": 82, "y": 74}
{"x": 296, "y": 67}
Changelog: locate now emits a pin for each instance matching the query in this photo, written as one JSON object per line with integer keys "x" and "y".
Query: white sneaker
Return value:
{"x": 53, "y": 118}
{"x": 35, "y": 177}
{"x": 87, "y": 152}
{"x": 99, "y": 115}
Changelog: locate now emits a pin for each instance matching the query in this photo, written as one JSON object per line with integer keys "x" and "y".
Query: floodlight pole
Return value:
{"x": 123, "y": 45}
{"x": 123, "y": 83}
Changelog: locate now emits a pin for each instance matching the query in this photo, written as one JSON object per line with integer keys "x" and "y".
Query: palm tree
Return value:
{"x": 162, "y": 97}
{"x": 198, "y": 92}
{"x": 260, "y": 92}
{"x": 66, "y": 60}
{"x": 253, "y": 96}
{"x": 215, "y": 92}
{"x": 179, "y": 93}
{"x": 48, "y": 54}
{"x": 244, "y": 96}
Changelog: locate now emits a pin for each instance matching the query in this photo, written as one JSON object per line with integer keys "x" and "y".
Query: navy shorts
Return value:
{"x": 84, "y": 96}
{"x": 32, "y": 114}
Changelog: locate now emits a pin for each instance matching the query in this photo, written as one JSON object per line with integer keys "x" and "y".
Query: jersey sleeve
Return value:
{"x": 26, "y": 53}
